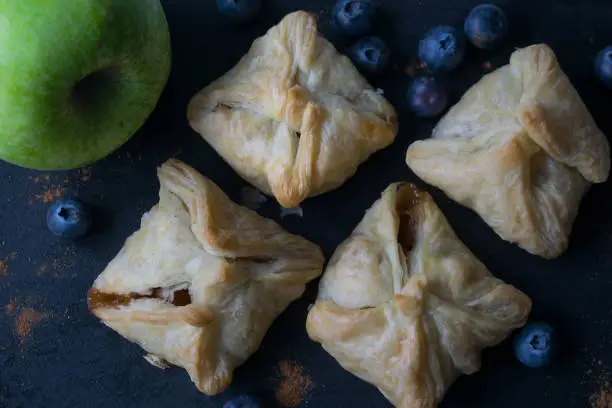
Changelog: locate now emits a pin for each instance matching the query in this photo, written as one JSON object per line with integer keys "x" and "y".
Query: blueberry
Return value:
{"x": 68, "y": 218}
{"x": 603, "y": 66}
{"x": 427, "y": 97}
{"x": 535, "y": 345}
{"x": 442, "y": 48}
{"x": 370, "y": 54}
{"x": 486, "y": 26}
{"x": 243, "y": 401}
{"x": 239, "y": 10}
{"x": 354, "y": 17}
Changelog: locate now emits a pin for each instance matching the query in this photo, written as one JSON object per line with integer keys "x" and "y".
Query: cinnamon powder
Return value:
{"x": 85, "y": 174}
{"x": 52, "y": 189}
{"x": 598, "y": 376}
{"x": 50, "y": 195}
{"x": 25, "y": 321}
{"x": 294, "y": 386}
{"x": 413, "y": 70}
{"x": 410, "y": 70}
{"x": 4, "y": 263}
{"x": 603, "y": 398}
{"x": 10, "y": 308}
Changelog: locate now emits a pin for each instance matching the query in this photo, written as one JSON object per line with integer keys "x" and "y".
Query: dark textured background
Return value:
{"x": 71, "y": 360}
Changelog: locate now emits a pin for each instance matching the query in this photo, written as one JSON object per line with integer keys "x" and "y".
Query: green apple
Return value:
{"x": 77, "y": 77}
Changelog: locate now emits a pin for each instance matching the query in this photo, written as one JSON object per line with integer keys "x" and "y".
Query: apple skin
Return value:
{"x": 77, "y": 77}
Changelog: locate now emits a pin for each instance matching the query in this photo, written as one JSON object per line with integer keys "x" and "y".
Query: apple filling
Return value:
{"x": 222, "y": 106}
{"x": 407, "y": 200}
{"x": 178, "y": 296}
{"x": 405, "y": 235}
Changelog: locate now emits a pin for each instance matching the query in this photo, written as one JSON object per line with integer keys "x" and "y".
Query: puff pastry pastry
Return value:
{"x": 404, "y": 305}
{"x": 293, "y": 117}
{"x": 521, "y": 149}
{"x": 202, "y": 280}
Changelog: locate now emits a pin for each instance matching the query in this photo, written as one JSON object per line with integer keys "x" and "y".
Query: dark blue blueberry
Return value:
{"x": 243, "y": 401}
{"x": 427, "y": 97}
{"x": 535, "y": 345}
{"x": 68, "y": 218}
{"x": 354, "y": 17}
{"x": 486, "y": 26}
{"x": 442, "y": 48}
{"x": 239, "y": 10}
{"x": 370, "y": 54}
{"x": 603, "y": 66}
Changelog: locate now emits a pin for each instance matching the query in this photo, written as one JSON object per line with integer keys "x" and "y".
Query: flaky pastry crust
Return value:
{"x": 203, "y": 278}
{"x": 404, "y": 305}
{"x": 293, "y": 117}
{"x": 521, "y": 149}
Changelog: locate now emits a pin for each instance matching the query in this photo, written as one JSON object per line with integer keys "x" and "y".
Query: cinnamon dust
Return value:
{"x": 25, "y": 317}
{"x": 602, "y": 398}
{"x": 25, "y": 322}
{"x": 10, "y": 308}
{"x": 294, "y": 386}
{"x": 85, "y": 174}
{"x": 53, "y": 187}
{"x": 50, "y": 194}
{"x": 413, "y": 70}
{"x": 410, "y": 70}
{"x": 599, "y": 377}
{"x": 4, "y": 263}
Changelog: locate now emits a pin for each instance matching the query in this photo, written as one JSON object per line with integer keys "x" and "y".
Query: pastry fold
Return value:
{"x": 293, "y": 117}
{"x": 404, "y": 305}
{"x": 203, "y": 278}
{"x": 521, "y": 149}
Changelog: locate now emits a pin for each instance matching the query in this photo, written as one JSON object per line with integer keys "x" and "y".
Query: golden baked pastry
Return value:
{"x": 293, "y": 117}
{"x": 521, "y": 149}
{"x": 202, "y": 280}
{"x": 404, "y": 305}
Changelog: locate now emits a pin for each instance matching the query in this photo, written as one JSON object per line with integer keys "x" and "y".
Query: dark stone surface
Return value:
{"x": 71, "y": 360}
